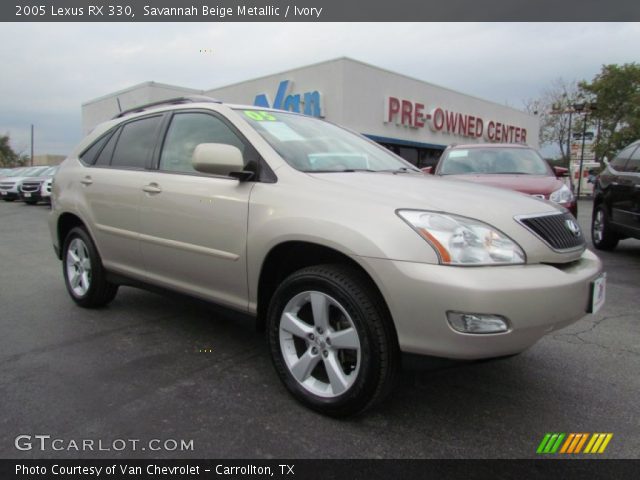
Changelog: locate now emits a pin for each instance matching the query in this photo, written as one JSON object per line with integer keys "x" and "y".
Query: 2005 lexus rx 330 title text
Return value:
{"x": 344, "y": 252}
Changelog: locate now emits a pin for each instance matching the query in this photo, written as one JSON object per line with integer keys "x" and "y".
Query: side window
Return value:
{"x": 104, "y": 157}
{"x": 90, "y": 155}
{"x": 188, "y": 130}
{"x": 634, "y": 162}
{"x": 619, "y": 162}
{"x": 136, "y": 143}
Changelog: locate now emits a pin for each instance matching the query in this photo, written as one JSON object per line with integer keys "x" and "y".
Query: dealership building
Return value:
{"x": 411, "y": 117}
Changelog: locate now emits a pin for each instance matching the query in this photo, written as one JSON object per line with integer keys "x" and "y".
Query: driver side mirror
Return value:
{"x": 219, "y": 159}
{"x": 561, "y": 172}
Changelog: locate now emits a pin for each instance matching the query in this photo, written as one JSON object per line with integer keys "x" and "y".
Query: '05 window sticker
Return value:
{"x": 260, "y": 116}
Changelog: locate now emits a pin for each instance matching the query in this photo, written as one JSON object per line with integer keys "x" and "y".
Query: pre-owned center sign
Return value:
{"x": 416, "y": 115}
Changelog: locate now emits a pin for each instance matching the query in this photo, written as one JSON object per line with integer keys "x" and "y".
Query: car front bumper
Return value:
{"x": 9, "y": 195}
{"x": 536, "y": 300}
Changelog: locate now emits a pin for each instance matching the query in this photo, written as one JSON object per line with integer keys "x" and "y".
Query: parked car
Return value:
{"x": 36, "y": 189}
{"x": 344, "y": 252}
{"x": 10, "y": 185}
{"x": 513, "y": 166}
{"x": 616, "y": 200}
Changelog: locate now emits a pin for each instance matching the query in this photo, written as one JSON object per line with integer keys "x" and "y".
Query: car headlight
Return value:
{"x": 463, "y": 241}
{"x": 562, "y": 195}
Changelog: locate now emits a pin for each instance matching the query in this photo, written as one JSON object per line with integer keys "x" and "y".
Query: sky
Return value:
{"x": 50, "y": 69}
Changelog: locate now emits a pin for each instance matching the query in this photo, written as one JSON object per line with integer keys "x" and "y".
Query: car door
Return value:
{"x": 193, "y": 225}
{"x": 632, "y": 171}
{"x": 111, "y": 190}
{"x": 617, "y": 186}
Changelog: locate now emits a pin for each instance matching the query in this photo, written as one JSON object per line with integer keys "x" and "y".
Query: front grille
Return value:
{"x": 31, "y": 186}
{"x": 6, "y": 186}
{"x": 556, "y": 230}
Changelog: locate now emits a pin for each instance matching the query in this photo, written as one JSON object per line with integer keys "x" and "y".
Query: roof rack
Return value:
{"x": 170, "y": 101}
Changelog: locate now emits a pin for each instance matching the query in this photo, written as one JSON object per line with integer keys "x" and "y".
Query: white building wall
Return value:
{"x": 353, "y": 94}
{"x": 104, "y": 108}
{"x": 327, "y": 78}
{"x": 368, "y": 87}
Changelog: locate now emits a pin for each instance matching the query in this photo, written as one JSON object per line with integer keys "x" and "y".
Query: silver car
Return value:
{"x": 10, "y": 184}
{"x": 345, "y": 253}
{"x": 38, "y": 189}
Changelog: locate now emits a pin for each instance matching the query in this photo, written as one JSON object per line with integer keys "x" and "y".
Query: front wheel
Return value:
{"x": 603, "y": 237}
{"x": 84, "y": 274}
{"x": 332, "y": 341}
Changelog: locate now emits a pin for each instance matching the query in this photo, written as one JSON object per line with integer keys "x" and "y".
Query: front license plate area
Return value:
{"x": 598, "y": 293}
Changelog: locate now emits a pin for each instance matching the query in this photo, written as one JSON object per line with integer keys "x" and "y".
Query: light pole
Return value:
{"x": 586, "y": 109}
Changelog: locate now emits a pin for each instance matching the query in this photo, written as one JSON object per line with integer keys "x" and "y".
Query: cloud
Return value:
{"x": 49, "y": 69}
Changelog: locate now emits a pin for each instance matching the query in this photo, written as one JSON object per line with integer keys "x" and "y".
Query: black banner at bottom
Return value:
{"x": 319, "y": 469}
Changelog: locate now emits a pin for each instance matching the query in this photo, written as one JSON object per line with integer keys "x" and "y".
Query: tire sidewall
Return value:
{"x": 82, "y": 234}
{"x": 608, "y": 240}
{"x": 364, "y": 386}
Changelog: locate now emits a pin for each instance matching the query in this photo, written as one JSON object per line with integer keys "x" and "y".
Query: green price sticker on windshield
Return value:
{"x": 259, "y": 116}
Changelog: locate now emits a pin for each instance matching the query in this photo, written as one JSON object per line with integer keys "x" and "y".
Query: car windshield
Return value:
{"x": 313, "y": 145}
{"x": 498, "y": 160}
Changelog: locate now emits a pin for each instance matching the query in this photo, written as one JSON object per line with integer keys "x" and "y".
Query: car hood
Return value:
{"x": 436, "y": 193}
{"x": 381, "y": 191}
{"x": 529, "y": 184}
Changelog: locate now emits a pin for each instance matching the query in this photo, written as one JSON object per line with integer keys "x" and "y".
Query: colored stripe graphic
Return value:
{"x": 550, "y": 443}
{"x": 572, "y": 443}
{"x": 598, "y": 442}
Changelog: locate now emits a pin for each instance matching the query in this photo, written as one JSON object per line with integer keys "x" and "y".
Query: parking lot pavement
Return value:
{"x": 162, "y": 367}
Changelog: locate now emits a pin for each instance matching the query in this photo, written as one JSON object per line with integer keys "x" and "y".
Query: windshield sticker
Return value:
{"x": 458, "y": 153}
{"x": 282, "y": 131}
{"x": 260, "y": 116}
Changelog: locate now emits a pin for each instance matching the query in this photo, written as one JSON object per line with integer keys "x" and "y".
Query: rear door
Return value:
{"x": 194, "y": 226}
{"x": 112, "y": 190}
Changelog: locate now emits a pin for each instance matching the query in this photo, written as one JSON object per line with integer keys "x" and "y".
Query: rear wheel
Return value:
{"x": 603, "y": 237}
{"x": 332, "y": 341}
{"x": 84, "y": 275}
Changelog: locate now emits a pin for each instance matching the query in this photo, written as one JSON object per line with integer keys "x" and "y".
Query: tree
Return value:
{"x": 9, "y": 158}
{"x": 552, "y": 108}
{"x": 616, "y": 93}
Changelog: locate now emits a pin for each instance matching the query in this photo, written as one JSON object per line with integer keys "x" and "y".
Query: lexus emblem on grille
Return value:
{"x": 573, "y": 227}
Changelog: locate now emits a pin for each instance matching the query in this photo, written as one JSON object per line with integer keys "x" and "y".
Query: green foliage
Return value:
{"x": 9, "y": 158}
{"x": 616, "y": 92}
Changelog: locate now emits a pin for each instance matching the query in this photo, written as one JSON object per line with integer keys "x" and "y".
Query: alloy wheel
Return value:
{"x": 320, "y": 344}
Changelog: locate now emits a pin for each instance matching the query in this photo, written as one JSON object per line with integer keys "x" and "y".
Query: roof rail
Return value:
{"x": 170, "y": 101}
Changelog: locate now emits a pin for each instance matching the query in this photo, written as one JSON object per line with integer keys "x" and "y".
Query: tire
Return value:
{"x": 84, "y": 275}
{"x": 602, "y": 235}
{"x": 339, "y": 363}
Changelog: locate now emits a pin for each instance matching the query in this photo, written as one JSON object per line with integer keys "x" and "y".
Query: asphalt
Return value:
{"x": 167, "y": 367}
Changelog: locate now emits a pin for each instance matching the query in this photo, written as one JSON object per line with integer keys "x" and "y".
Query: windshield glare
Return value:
{"x": 499, "y": 160}
{"x": 312, "y": 145}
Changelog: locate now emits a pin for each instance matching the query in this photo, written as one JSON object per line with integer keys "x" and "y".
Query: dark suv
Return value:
{"x": 616, "y": 205}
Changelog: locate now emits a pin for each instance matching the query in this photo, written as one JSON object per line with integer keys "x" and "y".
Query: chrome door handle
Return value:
{"x": 152, "y": 188}
{"x": 86, "y": 181}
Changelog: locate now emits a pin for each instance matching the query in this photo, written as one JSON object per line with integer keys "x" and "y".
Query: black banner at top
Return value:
{"x": 316, "y": 10}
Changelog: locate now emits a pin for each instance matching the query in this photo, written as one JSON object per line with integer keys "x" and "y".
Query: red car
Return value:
{"x": 512, "y": 166}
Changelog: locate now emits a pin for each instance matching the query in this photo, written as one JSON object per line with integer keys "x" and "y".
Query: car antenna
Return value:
{"x": 119, "y": 106}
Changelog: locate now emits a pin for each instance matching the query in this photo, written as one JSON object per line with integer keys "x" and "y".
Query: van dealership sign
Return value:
{"x": 309, "y": 103}
{"x": 416, "y": 115}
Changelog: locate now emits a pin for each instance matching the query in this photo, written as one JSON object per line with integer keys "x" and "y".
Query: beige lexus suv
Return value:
{"x": 346, "y": 254}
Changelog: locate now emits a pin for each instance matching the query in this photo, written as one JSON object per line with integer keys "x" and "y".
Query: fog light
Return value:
{"x": 478, "y": 323}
